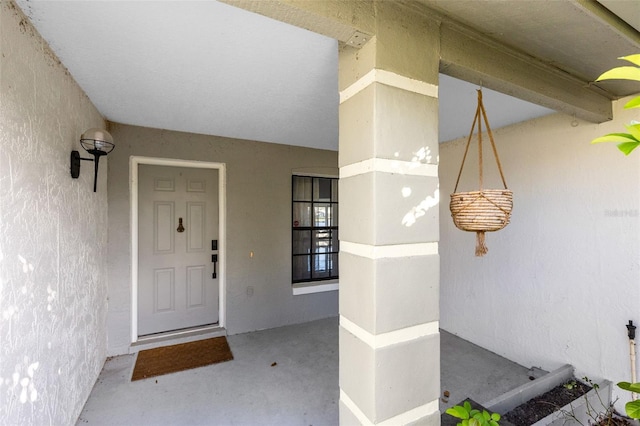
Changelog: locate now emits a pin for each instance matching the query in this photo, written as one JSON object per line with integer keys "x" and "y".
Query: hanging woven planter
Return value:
{"x": 485, "y": 210}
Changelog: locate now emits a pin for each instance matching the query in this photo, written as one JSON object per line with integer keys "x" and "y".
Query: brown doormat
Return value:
{"x": 170, "y": 359}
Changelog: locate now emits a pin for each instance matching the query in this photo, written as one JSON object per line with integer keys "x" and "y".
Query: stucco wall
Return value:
{"x": 53, "y": 290}
{"x": 259, "y": 221}
{"x": 561, "y": 281}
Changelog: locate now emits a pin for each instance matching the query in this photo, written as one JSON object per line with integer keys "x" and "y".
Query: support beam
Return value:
{"x": 471, "y": 57}
{"x": 611, "y": 18}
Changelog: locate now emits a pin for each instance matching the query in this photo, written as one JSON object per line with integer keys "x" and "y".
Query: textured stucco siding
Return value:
{"x": 561, "y": 281}
{"x": 53, "y": 235}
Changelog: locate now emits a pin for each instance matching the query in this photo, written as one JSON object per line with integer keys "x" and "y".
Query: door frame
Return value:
{"x": 134, "y": 162}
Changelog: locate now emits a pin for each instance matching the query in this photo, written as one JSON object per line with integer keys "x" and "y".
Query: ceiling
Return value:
{"x": 208, "y": 67}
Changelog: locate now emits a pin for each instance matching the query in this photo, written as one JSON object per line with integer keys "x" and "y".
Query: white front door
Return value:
{"x": 177, "y": 221}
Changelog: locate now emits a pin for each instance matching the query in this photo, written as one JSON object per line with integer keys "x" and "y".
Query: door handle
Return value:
{"x": 214, "y": 259}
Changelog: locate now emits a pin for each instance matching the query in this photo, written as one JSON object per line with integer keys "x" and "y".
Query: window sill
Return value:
{"x": 315, "y": 287}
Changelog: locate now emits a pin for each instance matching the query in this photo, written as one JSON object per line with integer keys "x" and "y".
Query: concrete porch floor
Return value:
{"x": 301, "y": 389}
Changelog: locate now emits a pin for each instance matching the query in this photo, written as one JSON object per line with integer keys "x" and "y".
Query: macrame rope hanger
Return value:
{"x": 482, "y": 202}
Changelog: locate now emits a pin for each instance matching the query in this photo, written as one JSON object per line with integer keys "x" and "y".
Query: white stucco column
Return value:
{"x": 389, "y": 264}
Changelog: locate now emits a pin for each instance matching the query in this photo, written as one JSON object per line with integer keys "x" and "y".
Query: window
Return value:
{"x": 314, "y": 232}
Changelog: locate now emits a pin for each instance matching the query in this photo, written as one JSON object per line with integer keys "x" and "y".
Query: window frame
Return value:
{"x": 314, "y": 283}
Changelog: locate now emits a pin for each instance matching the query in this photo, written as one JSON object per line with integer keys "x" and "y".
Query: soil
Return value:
{"x": 541, "y": 406}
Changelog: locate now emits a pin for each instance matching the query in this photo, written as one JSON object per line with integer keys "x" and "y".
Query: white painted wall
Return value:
{"x": 53, "y": 289}
{"x": 561, "y": 281}
{"x": 258, "y": 221}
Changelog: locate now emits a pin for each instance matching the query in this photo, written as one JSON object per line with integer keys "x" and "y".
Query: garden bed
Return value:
{"x": 555, "y": 399}
{"x": 549, "y": 402}
{"x": 532, "y": 396}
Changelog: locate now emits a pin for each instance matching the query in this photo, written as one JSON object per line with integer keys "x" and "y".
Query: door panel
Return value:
{"x": 163, "y": 220}
{"x": 164, "y": 294}
{"x": 196, "y": 289}
{"x": 196, "y": 185}
{"x": 164, "y": 184}
{"x": 196, "y": 214}
{"x": 175, "y": 285}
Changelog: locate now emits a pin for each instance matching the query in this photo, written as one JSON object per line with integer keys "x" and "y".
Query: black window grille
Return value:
{"x": 314, "y": 232}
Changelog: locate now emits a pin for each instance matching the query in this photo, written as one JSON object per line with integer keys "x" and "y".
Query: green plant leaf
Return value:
{"x": 458, "y": 412}
{"x": 495, "y": 416}
{"x": 634, "y": 59}
{"x": 634, "y": 130}
{"x": 452, "y": 412}
{"x": 627, "y": 147}
{"x": 615, "y": 137}
{"x": 631, "y": 387}
{"x": 633, "y": 409}
{"x": 621, "y": 73}
{"x": 493, "y": 423}
{"x": 474, "y": 422}
{"x": 626, "y": 142}
{"x": 633, "y": 103}
{"x": 467, "y": 406}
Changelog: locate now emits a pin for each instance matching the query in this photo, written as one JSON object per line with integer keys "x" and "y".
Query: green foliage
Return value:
{"x": 633, "y": 103}
{"x": 632, "y": 408}
{"x": 627, "y": 142}
{"x": 621, "y": 73}
{"x": 473, "y": 417}
{"x": 631, "y": 387}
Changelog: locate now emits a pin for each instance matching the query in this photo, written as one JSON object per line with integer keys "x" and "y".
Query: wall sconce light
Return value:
{"x": 96, "y": 142}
